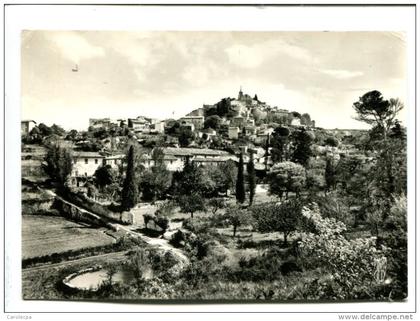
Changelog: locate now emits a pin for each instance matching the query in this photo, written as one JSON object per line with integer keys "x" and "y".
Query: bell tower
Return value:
{"x": 241, "y": 94}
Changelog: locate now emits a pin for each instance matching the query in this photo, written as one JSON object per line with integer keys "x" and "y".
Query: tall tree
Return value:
{"x": 104, "y": 176}
{"x": 302, "y": 141}
{"x": 267, "y": 152}
{"x": 129, "y": 191}
{"x": 186, "y": 137}
{"x": 280, "y": 142}
{"x": 374, "y": 110}
{"x": 330, "y": 177}
{"x": 59, "y": 164}
{"x": 251, "y": 177}
{"x": 240, "y": 184}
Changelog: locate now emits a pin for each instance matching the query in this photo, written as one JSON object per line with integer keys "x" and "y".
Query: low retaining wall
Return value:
{"x": 90, "y": 205}
{"x": 78, "y": 214}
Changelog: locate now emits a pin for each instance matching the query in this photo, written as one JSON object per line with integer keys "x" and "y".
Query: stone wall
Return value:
{"x": 81, "y": 200}
{"x": 78, "y": 214}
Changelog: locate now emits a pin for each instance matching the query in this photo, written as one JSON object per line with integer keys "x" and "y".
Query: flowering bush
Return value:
{"x": 356, "y": 267}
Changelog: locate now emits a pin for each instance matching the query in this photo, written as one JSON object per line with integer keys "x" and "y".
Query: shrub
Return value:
{"x": 354, "y": 265}
{"x": 266, "y": 267}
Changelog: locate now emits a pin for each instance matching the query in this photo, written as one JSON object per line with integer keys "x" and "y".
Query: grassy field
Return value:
{"x": 44, "y": 235}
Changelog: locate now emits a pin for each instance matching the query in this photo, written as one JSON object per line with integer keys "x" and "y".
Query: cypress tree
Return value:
{"x": 330, "y": 179}
{"x": 251, "y": 177}
{"x": 267, "y": 152}
{"x": 240, "y": 185}
{"x": 129, "y": 190}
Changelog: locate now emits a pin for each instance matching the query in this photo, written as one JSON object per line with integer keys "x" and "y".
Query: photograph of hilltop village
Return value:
{"x": 235, "y": 199}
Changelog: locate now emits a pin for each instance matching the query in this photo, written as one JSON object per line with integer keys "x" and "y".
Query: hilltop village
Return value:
{"x": 236, "y": 200}
{"x": 211, "y": 135}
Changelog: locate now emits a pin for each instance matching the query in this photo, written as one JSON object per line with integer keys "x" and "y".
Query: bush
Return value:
{"x": 356, "y": 266}
{"x": 178, "y": 239}
{"x": 269, "y": 266}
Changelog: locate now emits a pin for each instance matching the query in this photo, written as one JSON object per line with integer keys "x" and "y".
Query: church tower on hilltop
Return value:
{"x": 241, "y": 94}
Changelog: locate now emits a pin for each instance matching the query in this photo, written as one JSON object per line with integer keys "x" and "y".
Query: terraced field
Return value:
{"x": 44, "y": 235}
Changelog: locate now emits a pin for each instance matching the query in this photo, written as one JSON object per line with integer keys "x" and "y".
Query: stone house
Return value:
{"x": 197, "y": 121}
{"x": 233, "y": 132}
{"x": 26, "y": 126}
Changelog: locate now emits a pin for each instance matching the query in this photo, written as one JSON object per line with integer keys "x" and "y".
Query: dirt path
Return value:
{"x": 158, "y": 242}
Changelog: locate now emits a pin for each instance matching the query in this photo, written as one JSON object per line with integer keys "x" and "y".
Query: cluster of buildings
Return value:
{"x": 140, "y": 124}
{"x": 241, "y": 123}
{"x": 86, "y": 163}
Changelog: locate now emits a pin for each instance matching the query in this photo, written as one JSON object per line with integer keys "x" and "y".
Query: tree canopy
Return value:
{"x": 286, "y": 177}
{"x": 274, "y": 217}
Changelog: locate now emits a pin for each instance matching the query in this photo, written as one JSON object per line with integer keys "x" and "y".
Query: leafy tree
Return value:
{"x": 280, "y": 142}
{"x": 306, "y": 119}
{"x": 236, "y": 217}
{"x": 315, "y": 181}
{"x": 34, "y": 136}
{"x": 302, "y": 141}
{"x": 215, "y": 204}
{"x": 129, "y": 191}
{"x": 91, "y": 146}
{"x": 230, "y": 172}
{"x": 187, "y": 181}
{"x": 331, "y": 141}
{"x": 172, "y": 127}
{"x": 251, "y": 178}
{"x": 374, "y": 110}
{"x": 275, "y": 217}
{"x": 210, "y": 181}
{"x": 186, "y": 137}
{"x": 223, "y": 107}
{"x": 394, "y": 238}
{"x": 104, "y": 176}
{"x": 57, "y": 130}
{"x": 72, "y": 134}
{"x": 35, "y": 131}
{"x": 59, "y": 164}
{"x": 155, "y": 182}
{"x": 286, "y": 177}
{"x": 213, "y": 121}
{"x": 240, "y": 184}
{"x": 397, "y": 131}
{"x": 45, "y": 130}
{"x": 191, "y": 203}
{"x": 296, "y": 114}
{"x": 258, "y": 114}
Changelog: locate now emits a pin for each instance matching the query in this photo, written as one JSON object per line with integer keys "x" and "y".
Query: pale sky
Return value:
{"x": 168, "y": 74}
